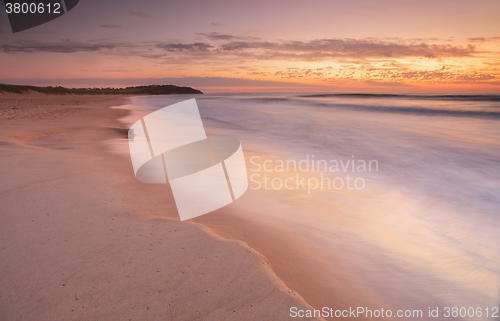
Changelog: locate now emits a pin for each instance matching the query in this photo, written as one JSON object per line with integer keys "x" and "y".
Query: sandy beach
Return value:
{"x": 404, "y": 242}
{"x": 82, "y": 239}
{"x": 250, "y": 160}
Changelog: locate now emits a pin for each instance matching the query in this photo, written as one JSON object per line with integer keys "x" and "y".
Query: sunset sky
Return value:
{"x": 338, "y": 46}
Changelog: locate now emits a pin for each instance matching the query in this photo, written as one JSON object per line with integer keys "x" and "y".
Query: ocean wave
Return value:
{"x": 416, "y": 97}
{"x": 416, "y": 110}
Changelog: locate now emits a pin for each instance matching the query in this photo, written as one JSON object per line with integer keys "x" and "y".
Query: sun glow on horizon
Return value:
{"x": 389, "y": 47}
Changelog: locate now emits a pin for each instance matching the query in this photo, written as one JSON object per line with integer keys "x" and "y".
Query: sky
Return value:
{"x": 324, "y": 46}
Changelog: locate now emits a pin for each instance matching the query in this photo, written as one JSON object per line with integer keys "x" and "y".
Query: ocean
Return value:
{"x": 380, "y": 201}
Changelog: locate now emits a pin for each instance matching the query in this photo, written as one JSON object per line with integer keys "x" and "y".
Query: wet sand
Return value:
{"x": 82, "y": 239}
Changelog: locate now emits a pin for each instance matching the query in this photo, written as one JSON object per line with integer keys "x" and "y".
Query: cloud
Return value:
{"x": 371, "y": 59}
{"x": 356, "y": 51}
{"x": 115, "y": 70}
{"x": 387, "y": 83}
{"x": 220, "y": 36}
{"x": 64, "y": 46}
{"x": 483, "y": 39}
{"x": 217, "y": 36}
{"x": 442, "y": 75}
{"x": 216, "y": 24}
{"x": 227, "y": 46}
{"x": 380, "y": 76}
{"x": 141, "y": 14}
{"x": 110, "y": 26}
{"x": 193, "y": 47}
{"x": 337, "y": 48}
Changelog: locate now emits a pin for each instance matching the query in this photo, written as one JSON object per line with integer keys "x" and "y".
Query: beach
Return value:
{"x": 250, "y": 160}
{"x": 354, "y": 202}
{"x": 82, "y": 239}
{"x": 403, "y": 217}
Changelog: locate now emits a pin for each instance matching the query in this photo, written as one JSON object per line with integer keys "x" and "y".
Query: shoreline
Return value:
{"x": 341, "y": 248}
{"x": 226, "y": 224}
{"x": 294, "y": 261}
{"x": 100, "y": 249}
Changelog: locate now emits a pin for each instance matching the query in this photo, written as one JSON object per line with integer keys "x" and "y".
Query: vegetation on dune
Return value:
{"x": 137, "y": 90}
